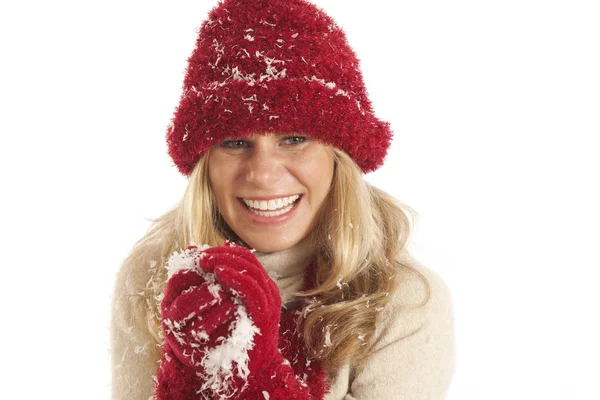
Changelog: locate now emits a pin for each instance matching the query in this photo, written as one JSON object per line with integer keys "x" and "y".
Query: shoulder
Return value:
{"x": 421, "y": 300}
{"x": 414, "y": 340}
{"x": 136, "y": 294}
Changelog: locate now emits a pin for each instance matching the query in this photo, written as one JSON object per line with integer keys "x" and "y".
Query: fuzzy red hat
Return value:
{"x": 274, "y": 66}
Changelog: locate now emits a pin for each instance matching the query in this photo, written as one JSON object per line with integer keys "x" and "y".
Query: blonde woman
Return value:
{"x": 281, "y": 274}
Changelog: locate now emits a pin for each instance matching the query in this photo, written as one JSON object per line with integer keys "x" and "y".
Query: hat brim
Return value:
{"x": 235, "y": 109}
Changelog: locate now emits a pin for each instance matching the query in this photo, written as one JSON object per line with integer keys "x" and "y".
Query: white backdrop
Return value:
{"x": 496, "y": 109}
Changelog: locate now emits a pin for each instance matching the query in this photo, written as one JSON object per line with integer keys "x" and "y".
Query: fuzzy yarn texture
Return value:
{"x": 274, "y": 66}
{"x": 412, "y": 351}
{"x": 223, "y": 339}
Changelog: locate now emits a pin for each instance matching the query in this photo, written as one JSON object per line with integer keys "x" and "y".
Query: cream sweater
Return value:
{"x": 413, "y": 349}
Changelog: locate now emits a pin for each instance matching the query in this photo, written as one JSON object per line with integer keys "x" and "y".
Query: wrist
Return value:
{"x": 276, "y": 382}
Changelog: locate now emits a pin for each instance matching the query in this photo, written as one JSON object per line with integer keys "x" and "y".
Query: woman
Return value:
{"x": 282, "y": 273}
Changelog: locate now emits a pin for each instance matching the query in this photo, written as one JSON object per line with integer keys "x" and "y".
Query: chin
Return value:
{"x": 271, "y": 246}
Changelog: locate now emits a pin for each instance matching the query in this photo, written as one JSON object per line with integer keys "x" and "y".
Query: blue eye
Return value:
{"x": 294, "y": 140}
{"x": 233, "y": 144}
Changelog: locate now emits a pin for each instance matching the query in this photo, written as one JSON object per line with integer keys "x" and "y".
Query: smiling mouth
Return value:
{"x": 272, "y": 213}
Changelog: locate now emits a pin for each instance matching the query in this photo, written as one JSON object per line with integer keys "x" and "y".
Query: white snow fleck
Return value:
{"x": 215, "y": 289}
{"x": 251, "y": 98}
{"x": 249, "y": 38}
{"x": 360, "y": 107}
{"x": 266, "y": 395}
{"x": 186, "y": 260}
{"x": 327, "y": 336}
{"x": 341, "y": 92}
{"x": 201, "y": 337}
{"x": 141, "y": 349}
{"x": 262, "y": 21}
{"x": 230, "y": 357}
{"x": 237, "y": 75}
{"x": 247, "y": 55}
{"x": 220, "y": 50}
{"x": 340, "y": 284}
{"x": 189, "y": 289}
{"x": 302, "y": 380}
{"x": 159, "y": 297}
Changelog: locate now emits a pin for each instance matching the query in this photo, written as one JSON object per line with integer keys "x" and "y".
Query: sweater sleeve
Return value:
{"x": 134, "y": 353}
{"x": 414, "y": 349}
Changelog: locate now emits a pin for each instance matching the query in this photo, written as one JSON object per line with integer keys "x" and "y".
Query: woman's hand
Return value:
{"x": 221, "y": 317}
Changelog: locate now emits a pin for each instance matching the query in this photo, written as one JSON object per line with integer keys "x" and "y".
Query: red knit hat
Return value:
{"x": 274, "y": 66}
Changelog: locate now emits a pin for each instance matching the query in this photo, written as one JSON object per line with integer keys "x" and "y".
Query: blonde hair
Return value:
{"x": 360, "y": 233}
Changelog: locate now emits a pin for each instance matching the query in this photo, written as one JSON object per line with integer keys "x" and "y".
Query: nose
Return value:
{"x": 264, "y": 167}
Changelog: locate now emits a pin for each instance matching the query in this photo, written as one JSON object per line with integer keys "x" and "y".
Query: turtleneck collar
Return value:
{"x": 287, "y": 267}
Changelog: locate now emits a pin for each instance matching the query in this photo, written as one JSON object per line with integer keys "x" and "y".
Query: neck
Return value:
{"x": 287, "y": 267}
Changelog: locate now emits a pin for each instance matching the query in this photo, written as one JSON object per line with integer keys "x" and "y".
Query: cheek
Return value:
{"x": 216, "y": 176}
{"x": 316, "y": 171}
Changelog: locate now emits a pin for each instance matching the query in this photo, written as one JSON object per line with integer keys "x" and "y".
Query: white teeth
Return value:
{"x": 271, "y": 205}
{"x": 272, "y": 213}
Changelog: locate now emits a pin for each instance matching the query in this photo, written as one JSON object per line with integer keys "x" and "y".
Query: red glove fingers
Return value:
{"x": 178, "y": 283}
{"x": 194, "y": 299}
{"x": 194, "y": 322}
{"x": 242, "y": 260}
{"x": 262, "y": 308}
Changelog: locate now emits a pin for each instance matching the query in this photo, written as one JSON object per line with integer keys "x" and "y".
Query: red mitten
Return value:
{"x": 220, "y": 315}
{"x": 195, "y": 315}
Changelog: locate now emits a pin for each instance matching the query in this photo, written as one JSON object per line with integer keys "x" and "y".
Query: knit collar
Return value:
{"x": 287, "y": 267}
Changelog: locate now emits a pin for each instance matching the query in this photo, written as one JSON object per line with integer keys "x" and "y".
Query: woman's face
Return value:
{"x": 269, "y": 188}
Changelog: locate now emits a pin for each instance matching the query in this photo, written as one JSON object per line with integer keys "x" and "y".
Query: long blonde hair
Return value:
{"x": 360, "y": 233}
